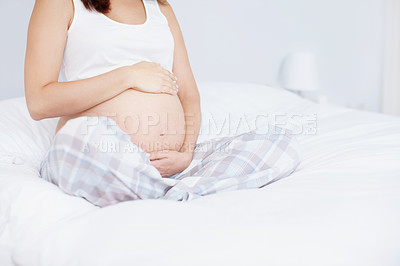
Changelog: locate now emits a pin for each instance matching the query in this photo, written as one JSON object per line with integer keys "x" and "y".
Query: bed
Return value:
{"x": 340, "y": 207}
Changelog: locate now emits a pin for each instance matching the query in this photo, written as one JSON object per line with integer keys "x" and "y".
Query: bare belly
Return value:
{"x": 153, "y": 121}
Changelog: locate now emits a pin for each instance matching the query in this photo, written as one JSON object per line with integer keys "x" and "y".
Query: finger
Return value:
{"x": 162, "y": 170}
{"x": 170, "y": 81}
{"x": 172, "y": 85}
{"x": 158, "y": 155}
{"x": 165, "y": 174}
{"x": 167, "y": 90}
{"x": 169, "y": 75}
{"x": 172, "y": 76}
{"x": 159, "y": 164}
{"x": 156, "y": 164}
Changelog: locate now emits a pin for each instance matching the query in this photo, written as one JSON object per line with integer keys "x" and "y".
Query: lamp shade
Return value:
{"x": 299, "y": 72}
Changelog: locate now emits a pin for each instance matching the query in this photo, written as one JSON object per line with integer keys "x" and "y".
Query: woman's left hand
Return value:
{"x": 169, "y": 162}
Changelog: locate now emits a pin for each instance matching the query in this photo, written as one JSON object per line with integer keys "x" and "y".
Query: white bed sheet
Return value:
{"x": 341, "y": 207}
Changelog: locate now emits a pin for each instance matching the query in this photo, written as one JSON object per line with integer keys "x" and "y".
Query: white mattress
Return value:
{"x": 341, "y": 207}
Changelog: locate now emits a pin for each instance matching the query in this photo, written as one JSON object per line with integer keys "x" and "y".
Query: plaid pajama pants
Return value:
{"x": 92, "y": 158}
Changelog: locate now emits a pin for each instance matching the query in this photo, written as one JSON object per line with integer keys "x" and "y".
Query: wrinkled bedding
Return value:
{"x": 340, "y": 207}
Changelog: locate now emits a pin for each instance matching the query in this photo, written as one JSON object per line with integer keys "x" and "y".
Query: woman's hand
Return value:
{"x": 169, "y": 163}
{"x": 152, "y": 78}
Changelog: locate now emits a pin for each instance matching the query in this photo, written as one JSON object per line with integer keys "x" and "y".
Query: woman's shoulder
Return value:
{"x": 168, "y": 12}
{"x": 61, "y": 11}
{"x": 165, "y": 7}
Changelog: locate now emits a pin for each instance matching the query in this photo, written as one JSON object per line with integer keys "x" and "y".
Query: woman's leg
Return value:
{"x": 250, "y": 160}
{"x": 98, "y": 162}
{"x": 92, "y": 158}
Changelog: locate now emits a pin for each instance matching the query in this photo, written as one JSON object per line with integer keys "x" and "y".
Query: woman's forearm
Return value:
{"x": 58, "y": 99}
{"x": 192, "y": 111}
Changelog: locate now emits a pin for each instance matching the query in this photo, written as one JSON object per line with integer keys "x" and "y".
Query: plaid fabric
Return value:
{"x": 92, "y": 158}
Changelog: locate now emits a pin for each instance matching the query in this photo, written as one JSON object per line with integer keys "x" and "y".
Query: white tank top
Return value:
{"x": 97, "y": 44}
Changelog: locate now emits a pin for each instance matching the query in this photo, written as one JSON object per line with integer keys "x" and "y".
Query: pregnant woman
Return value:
{"x": 125, "y": 82}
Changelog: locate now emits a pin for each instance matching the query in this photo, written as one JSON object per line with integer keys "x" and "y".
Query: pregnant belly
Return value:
{"x": 153, "y": 121}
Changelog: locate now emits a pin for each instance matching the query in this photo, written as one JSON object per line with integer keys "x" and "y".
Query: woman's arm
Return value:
{"x": 188, "y": 92}
{"x": 46, "y": 97}
{"x": 169, "y": 163}
{"x": 47, "y": 35}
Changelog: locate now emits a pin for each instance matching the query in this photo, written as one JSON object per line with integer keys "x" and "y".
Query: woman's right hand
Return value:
{"x": 151, "y": 78}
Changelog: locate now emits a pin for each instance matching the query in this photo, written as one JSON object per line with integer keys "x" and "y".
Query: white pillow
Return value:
{"x": 230, "y": 108}
{"x": 22, "y": 139}
{"x": 224, "y": 107}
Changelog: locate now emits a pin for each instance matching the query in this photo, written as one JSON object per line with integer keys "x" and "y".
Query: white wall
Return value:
{"x": 246, "y": 41}
{"x": 14, "y": 20}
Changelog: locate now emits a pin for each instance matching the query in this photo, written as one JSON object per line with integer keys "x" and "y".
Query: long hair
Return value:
{"x": 103, "y": 6}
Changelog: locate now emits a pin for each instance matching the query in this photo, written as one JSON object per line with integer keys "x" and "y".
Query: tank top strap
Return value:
{"x": 79, "y": 7}
{"x": 154, "y": 12}
{"x": 80, "y": 13}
